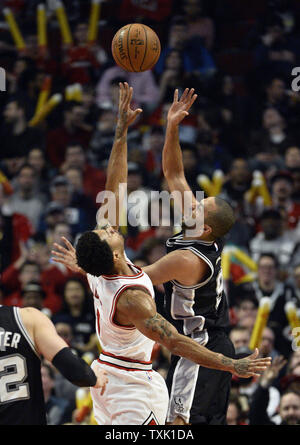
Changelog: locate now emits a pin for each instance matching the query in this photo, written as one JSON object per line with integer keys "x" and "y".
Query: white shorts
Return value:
{"x": 130, "y": 398}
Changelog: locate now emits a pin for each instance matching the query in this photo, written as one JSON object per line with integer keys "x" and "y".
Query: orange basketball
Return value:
{"x": 135, "y": 47}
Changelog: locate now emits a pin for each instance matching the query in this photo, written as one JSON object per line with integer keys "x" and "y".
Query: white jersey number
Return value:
{"x": 13, "y": 372}
{"x": 219, "y": 287}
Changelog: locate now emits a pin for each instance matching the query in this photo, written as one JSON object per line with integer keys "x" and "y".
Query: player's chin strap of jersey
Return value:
{"x": 74, "y": 368}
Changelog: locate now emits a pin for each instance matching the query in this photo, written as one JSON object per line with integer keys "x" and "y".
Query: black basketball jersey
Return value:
{"x": 204, "y": 305}
{"x": 21, "y": 392}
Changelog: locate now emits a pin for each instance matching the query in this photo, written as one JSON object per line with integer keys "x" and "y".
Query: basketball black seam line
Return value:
{"x": 128, "y": 52}
{"x": 119, "y": 60}
{"x": 153, "y": 62}
{"x": 146, "y": 40}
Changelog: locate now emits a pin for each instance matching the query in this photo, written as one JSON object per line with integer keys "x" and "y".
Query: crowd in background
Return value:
{"x": 239, "y": 57}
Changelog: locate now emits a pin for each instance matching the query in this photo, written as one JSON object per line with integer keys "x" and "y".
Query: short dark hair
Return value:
{"x": 222, "y": 219}
{"x": 269, "y": 255}
{"x": 29, "y": 263}
{"x": 94, "y": 255}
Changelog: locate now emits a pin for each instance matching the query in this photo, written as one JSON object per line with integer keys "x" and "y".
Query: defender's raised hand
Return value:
{"x": 179, "y": 108}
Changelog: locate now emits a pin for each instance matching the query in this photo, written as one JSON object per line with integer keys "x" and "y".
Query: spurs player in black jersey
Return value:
{"x": 26, "y": 334}
{"x": 196, "y": 304}
{"x": 101, "y": 253}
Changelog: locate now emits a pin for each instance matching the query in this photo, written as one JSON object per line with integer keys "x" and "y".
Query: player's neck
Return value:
{"x": 123, "y": 269}
{"x": 202, "y": 237}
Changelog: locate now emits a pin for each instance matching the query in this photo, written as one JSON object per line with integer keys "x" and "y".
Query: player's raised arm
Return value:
{"x": 137, "y": 307}
{"x": 117, "y": 164}
{"x": 172, "y": 156}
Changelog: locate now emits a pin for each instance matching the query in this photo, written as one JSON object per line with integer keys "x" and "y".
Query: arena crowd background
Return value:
{"x": 241, "y": 141}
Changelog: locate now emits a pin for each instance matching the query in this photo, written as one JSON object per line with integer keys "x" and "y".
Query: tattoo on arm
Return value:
{"x": 121, "y": 126}
{"x": 240, "y": 366}
{"x": 159, "y": 325}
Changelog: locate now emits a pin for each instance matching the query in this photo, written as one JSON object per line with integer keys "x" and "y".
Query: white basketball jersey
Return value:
{"x": 122, "y": 346}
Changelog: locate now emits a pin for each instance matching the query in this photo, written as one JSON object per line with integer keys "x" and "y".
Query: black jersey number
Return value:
{"x": 13, "y": 372}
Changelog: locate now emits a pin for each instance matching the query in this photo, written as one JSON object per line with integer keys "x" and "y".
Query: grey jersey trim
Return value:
{"x": 177, "y": 239}
{"x": 24, "y": 331}
{"x": 208, "y": 262}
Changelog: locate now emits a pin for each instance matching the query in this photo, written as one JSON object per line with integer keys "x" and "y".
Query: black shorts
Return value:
{"x": 200, "y": 395}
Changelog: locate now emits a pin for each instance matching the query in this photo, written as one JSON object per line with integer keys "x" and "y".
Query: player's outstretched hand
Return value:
{"x": 179, "y": 108}
{"x": 102, "y": 379}
{"x": 66, "y": 256}
{"x": 126, "y": 114}
{"x": 251, "y": 366}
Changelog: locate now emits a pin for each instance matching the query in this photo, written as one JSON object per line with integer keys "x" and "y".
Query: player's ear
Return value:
{"x": 116, "y": 256}
{"x": 207, "y": 229}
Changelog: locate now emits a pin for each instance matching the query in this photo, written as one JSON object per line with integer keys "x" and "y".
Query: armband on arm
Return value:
{"x": 74, "y": 368}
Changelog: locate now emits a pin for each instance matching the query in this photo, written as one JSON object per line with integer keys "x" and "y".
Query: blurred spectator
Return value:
{"x": 25, "y": 272}
{"x": 17, "y": 137}
{"x": 273, "y": 238}
{"x": 281, "y": 192}
{"x": 267, "y": 283}
{"x": 211, "y": 155}
{"x": 26, "y": 199}
{"x": 289, "y": 406}
{"x": 43, "y": 172}
{"x": 278, "y": 52}
{"x": 240, "y": 337}
{"x": 156, "y": 11}
{"x": 54, "y": 214}
{"x": 238, "y": 182}
{"x": 198, "y": 23}
{"x": 269, "y": 144}
{"x": 172, "y": 77}
{"x": 73, "y": 128}
{"x": 81, "y": 62}
{"x": 234, "y": 412}
{"x": 196, "y": 58}
{"x": 58, "y": 410}
{"x": 77, "y": 311}
{"x": 93, "y": 179}
{"x": 295, "y": 172}
{"x": 33, "y": 296}
{"x": 292, "y": 158}
{"x": 267, "y": 345}
{"x": 62, "y": 194}
{"x": 102, "y": 138}
{"x": 245, "y": 311}
{"x": 15, "y": 228}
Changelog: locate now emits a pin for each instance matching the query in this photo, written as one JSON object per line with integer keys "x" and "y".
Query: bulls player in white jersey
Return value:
{"x": 126, "y": 318}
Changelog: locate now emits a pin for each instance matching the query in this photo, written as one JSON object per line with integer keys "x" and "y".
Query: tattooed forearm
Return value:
{"x": 121, "y": 127}
{"x": 159, "y": 325}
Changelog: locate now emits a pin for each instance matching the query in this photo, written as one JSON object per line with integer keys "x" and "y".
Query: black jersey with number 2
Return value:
{"x": 204, "y": 305}
{"x": 21, "y": 393}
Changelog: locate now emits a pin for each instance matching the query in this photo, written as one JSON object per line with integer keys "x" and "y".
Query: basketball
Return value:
{"x": 135, "y": 47}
